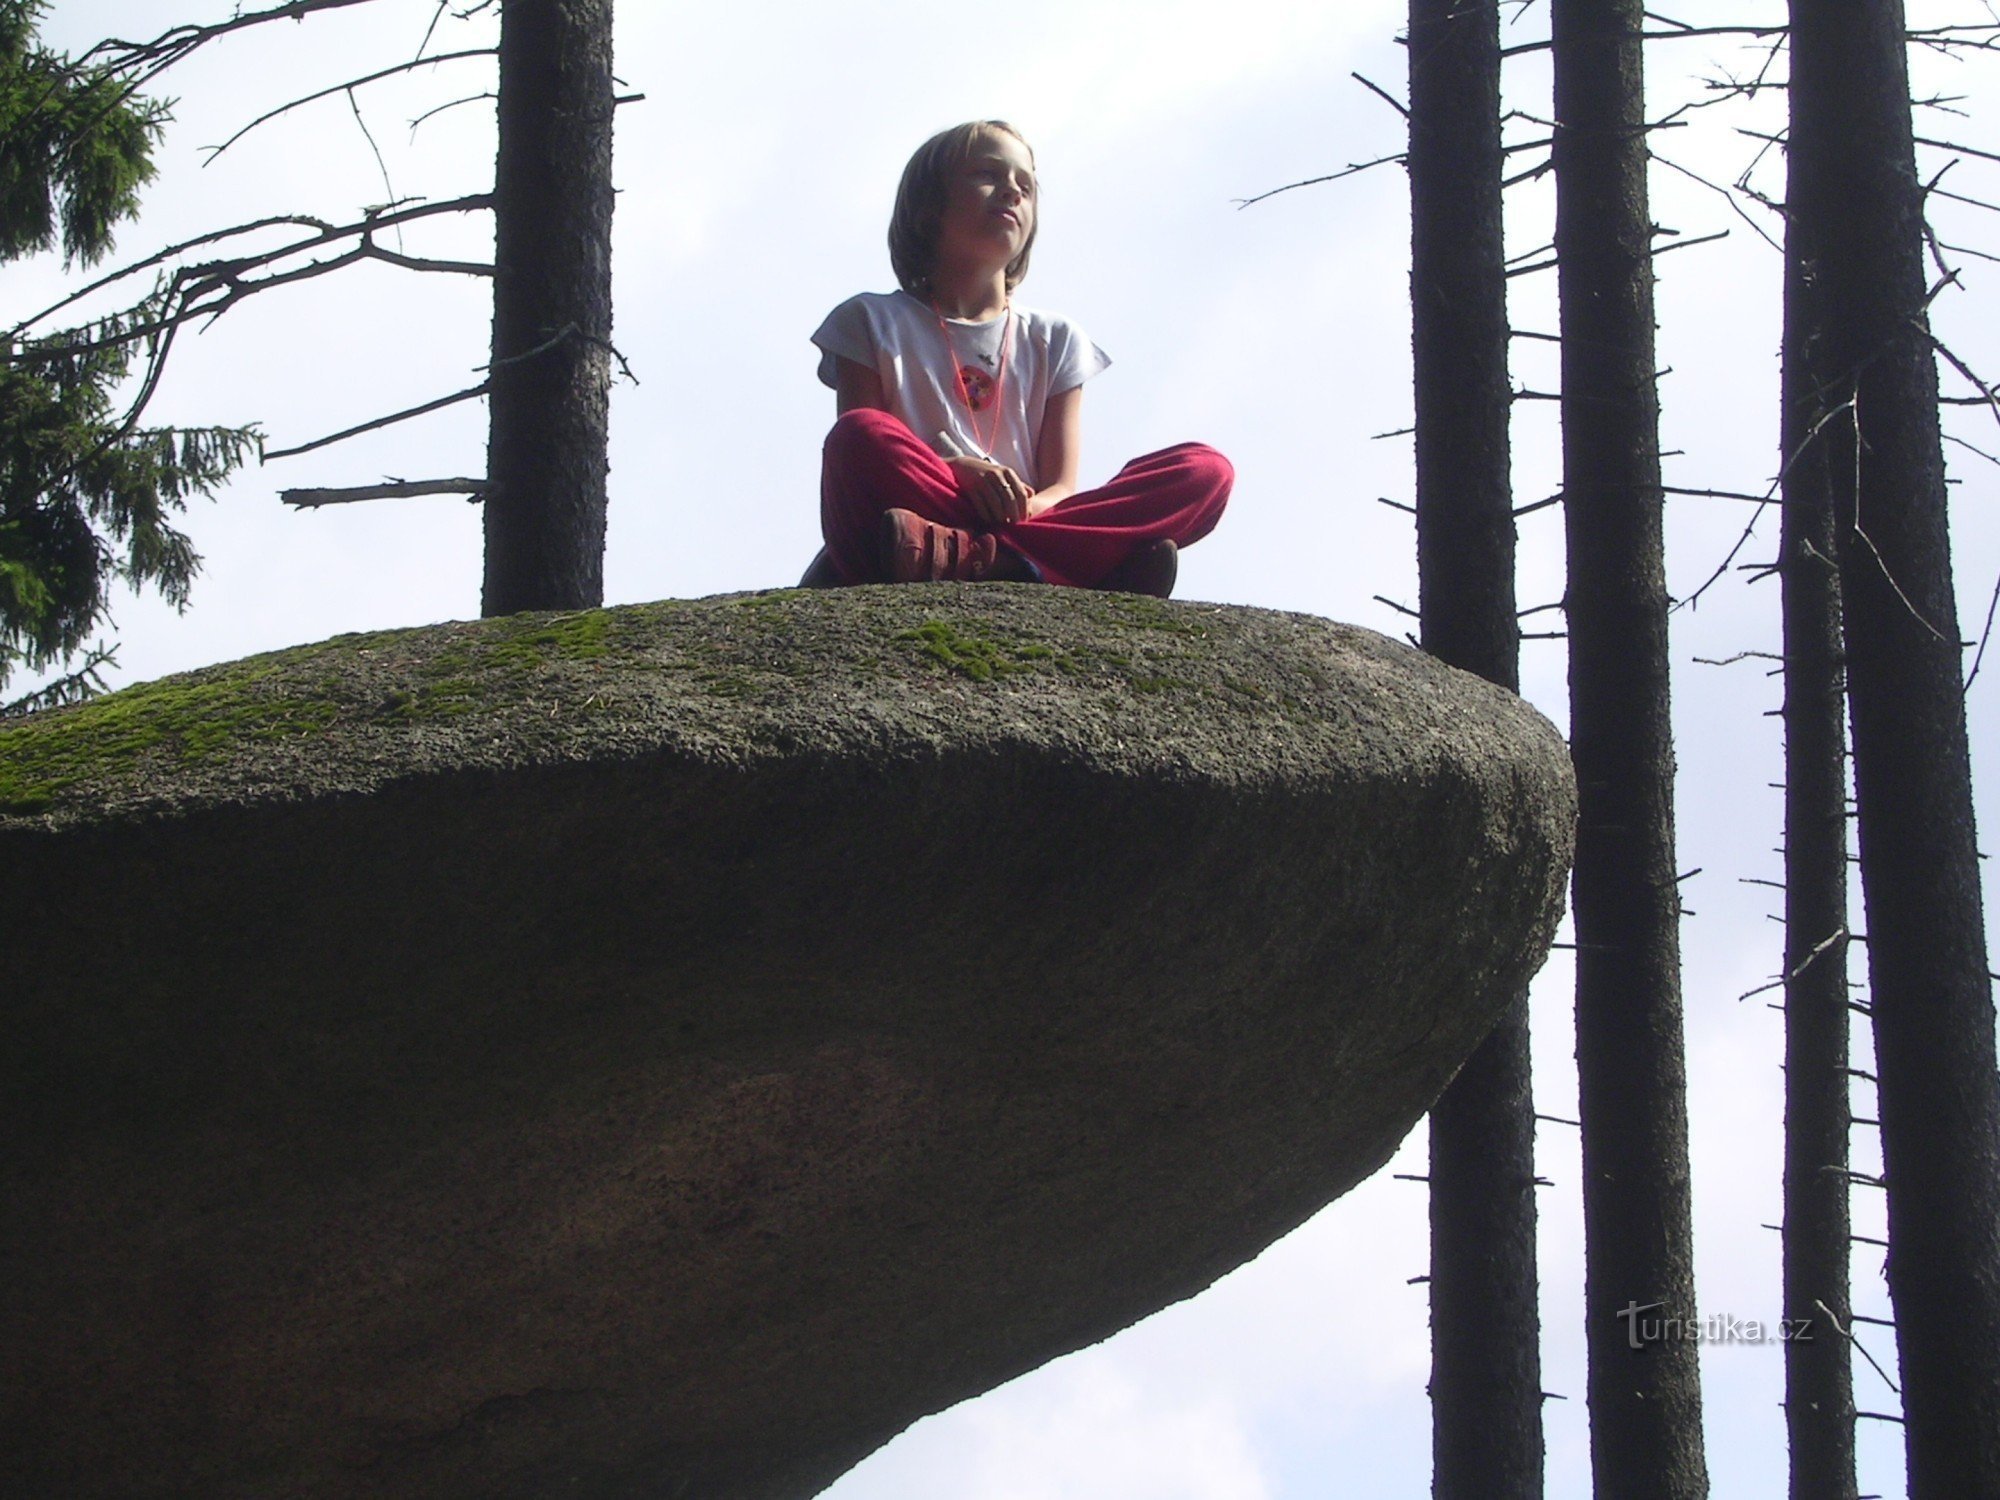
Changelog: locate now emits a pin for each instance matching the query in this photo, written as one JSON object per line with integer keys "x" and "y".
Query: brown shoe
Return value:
{"x": 819, "y": 573}
{"x": 918, "y": 551}
{"x": 1150, "y": 570}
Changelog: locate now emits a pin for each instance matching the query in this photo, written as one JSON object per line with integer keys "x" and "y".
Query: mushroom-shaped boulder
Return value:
{"x": 664, "y": 1051}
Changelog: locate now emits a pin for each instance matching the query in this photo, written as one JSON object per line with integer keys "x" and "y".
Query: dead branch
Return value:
{"x": 1849, "y": 1336}
{"x": 149, "y": 59}
{"x": 430, "y": 266}
{"x": 1909, "y": 604}
{"x": 1750, "y": 527}
{"x": 560, "y": 336}
{"x": 1987, "y": 395}
{"x": 1730, "y": 661}
{"x": 1985, "y": 635}
{"x": 1347, "y": 171}
{"x": 382, "y": 166}
{"x": 1383, "y": 94}
{"x": 1924, "y": 140}
{"x": 1967, "y": 250}
{"x": 190, "y": 283}
{"x": 453, "y": 104}
{"x": 1942, "y": 103}
{"x": 1523, "y": 48}
{"x": 162, "y": 258}
{"x": 431, "y": 30}
{"x": 470, "y": 394}
{"x": 348, "y": 87}
{"x": 1954, "y": 438}
{"x": 1770, "y": 497}
{"x": 390, "y": 490}
{"x": 1962, "y": 198}
{"x": 1726, "y": 195}
{"x": 1726, "y": 89}
{"x": 1700, "y": 239}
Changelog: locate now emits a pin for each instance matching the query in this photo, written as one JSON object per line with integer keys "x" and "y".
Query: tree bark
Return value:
{"x": 1486, "y": 1389}
{"x": 1860, "y": 202}
{"x": 550, "y": 398}
{"x": 1819, "y": 1374}
{"x": 1645, "y": 1402}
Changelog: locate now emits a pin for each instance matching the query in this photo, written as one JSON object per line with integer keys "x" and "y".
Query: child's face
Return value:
{"x": 989, "y": 208}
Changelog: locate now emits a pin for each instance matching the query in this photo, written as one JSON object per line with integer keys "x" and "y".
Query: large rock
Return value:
{"x": 664, "y": 1051}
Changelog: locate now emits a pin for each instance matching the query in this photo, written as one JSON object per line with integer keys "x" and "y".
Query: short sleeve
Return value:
{"x": 844, "y": 335}
{"x": 1073, "y": 358}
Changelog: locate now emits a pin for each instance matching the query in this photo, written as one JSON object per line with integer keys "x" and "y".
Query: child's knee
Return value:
{"x": 863, "y": 426}
{"x": 1209, "y": 467}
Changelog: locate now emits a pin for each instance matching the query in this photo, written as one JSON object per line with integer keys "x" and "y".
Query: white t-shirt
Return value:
{"x": 897, "y": 336}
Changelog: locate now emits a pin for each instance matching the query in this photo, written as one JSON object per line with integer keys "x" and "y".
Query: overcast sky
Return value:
{"x": 756, "y": 182}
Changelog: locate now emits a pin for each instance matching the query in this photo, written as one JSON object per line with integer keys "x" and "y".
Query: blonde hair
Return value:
{"x": 920, "y": 198}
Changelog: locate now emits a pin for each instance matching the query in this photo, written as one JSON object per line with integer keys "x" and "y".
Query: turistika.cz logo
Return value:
{"x": 1645, "y": 1324}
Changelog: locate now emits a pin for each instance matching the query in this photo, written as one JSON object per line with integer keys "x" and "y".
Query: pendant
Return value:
{"x": 978, "y": 387}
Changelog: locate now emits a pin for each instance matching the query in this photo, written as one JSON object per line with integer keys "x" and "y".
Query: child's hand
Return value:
{"x": 999, "y": 494}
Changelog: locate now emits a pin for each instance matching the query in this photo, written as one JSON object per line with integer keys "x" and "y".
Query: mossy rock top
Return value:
{"x": 1228, "y": 692}
{"x": 664, "y": 1051}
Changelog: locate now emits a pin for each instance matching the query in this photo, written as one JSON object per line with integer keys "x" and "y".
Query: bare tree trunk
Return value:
{"x": 1645, "y": 1401}
{"x": 1819, "y": 1375}
{"x": 546, "y": 454}
{"x": 1861, "y": 205}
{"x": 1486, "y": 1388}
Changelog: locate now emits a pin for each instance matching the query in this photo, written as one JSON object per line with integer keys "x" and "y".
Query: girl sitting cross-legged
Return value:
{"x": 956, "y": 450}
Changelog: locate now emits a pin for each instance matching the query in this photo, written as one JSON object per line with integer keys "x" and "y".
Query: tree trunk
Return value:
{"x": 1486, "y": 1389}
{"x": 1860, "y": 204}
{"x": 1645, "y": 1402}
{"x": 546, "y": 454}
{"x": 1819, "y": 1374}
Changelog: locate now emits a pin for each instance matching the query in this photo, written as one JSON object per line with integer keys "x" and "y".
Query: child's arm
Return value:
{"x": 1001, "y": 495}
{"x": 857, "y": 385}
{"x": 1059, "y": 451}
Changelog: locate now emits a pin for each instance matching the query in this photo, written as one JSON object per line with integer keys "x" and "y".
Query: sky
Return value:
{"x": 755, "y": 184}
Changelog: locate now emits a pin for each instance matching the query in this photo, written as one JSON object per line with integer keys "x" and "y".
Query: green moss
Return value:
{"x": 550, "y": 665}
{"x": 528, "y": 641}
{"x": 725, "y": 684}
{"x": 978, "y": 657}
{"x": 187, "y": 721}
{"x": 442, "y": 698}
{"x": 1138, "y": 612}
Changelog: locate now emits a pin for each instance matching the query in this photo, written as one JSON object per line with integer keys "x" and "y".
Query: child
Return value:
{"x": 956, "y": 451}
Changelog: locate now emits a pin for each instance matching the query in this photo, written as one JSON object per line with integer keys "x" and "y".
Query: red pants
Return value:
{"x": 874, "y": 463}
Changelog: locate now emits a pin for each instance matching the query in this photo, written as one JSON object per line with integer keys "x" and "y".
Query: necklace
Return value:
{"x": 992, "y": 393}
